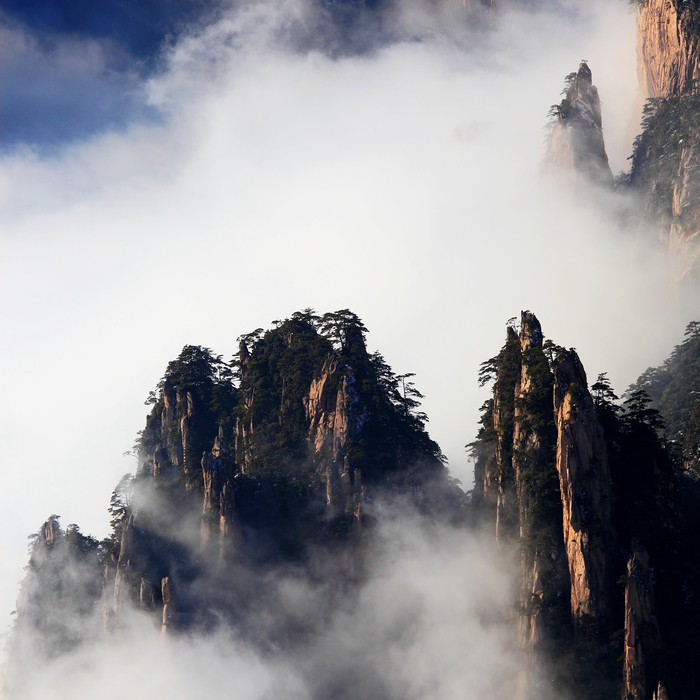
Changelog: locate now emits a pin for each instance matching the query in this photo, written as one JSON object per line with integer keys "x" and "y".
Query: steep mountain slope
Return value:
{"x": 292, "y": 454}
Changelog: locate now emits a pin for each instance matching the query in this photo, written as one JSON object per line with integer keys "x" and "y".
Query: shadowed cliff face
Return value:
{"x": 642, "y": 636}
{"x": 576, "y": 143}
{"x": 520, "y": 477}
{"x": 542, "y": 563}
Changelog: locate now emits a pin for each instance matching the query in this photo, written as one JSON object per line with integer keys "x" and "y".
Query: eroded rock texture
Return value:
{"x": 665, "y": 159}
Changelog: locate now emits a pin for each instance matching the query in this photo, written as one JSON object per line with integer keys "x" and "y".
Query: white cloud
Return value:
{"x": 429, "y": 618}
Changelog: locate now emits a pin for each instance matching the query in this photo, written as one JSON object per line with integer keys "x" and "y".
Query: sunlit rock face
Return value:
{"x": 519, "y": 478}
{"x": 576, "y": 143}
{"x": 542, "y": 561}
{"x": 668, "y": 56}
{"x": 666, "y": 155}
{"x": 332, "y": 426}
{"x": 586, "y": 493}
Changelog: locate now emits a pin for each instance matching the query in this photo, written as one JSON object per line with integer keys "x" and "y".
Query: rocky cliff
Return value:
{"x": 306, "y": 432}
{"x": 585, "y": 480}
{"x": 642, "y": 635}
{"x": 544, "y": 579}
{"x": 664, "y": 160}
{"x": 586, "y": 493}
{"x": 519, "y": 474}
{"x": 668, "y": 55}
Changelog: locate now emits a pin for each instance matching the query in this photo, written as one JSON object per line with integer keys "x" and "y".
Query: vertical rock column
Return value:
{"x": 220, "y": 529}
{"x": 586, "y": 493}
{"x": 543, "y": 569}
{"x": 576, "y": 143}
{"x": 642, "y": 637}
{"x": 331, "y": 428}
{"x": 244, "y": 426}
{"x": 660, "y": 693}
{"x": 503, "y": 417}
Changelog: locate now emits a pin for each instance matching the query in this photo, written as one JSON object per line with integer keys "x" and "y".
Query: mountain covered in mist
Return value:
{"x": 276, "y": 471}
{"x": 291, "y": 455}
{"x": 284, "y": 457}
{"x": 662, "y": 177}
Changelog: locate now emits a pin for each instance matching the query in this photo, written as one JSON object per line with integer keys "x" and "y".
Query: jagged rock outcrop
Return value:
{"x": 604, "y": 474}
{"x": 58, "y": 601}
{"x": 297, "y": 423}
{"x": 642, "y": 635}
{"x": 520, "y": 476}
{"x": 503, "y": 425}
{"x": 668, "y": 55}
{"x": 317, "y": 424}
{"x": 494, "y": 472}
{"x": 586, "y": 492}
{"x": 576, "y": 142}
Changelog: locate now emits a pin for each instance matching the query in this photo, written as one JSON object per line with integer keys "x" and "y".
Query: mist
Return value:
{"x": 427, "y": 619}
{"x": 399, "y": 179}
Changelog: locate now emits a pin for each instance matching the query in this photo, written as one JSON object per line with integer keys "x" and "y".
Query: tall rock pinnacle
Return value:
{"x": 576, "y": 143}
{"x": 586, "y": 492}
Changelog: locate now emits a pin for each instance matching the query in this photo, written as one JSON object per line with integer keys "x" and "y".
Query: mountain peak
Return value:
{"x": 576, "y": 142}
